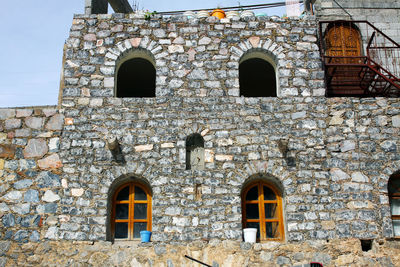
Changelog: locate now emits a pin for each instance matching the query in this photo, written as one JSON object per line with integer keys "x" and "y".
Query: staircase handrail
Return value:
{"x": 366, "y": 63}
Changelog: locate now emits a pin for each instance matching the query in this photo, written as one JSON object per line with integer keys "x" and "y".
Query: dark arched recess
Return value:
{"x": 257, "y": 78}
{"x": 136, "y": 77}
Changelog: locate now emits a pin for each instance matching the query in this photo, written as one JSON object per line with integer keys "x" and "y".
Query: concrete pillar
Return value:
{"x": 121, "y": 6}
{"x": 101, "y": 6}
{"x": 96, "y": 6}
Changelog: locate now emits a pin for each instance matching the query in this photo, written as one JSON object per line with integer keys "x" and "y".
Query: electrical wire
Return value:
{"x": 247, "y": 7}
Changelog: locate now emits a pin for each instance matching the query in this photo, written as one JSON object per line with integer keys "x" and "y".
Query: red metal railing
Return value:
{"x": 362, "y": 77}
{"x": 384, "y": 50}
{"x": 359, "y": 59}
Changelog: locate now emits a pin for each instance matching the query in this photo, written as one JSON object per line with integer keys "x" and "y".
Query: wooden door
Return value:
{"x": 343, "y": 40}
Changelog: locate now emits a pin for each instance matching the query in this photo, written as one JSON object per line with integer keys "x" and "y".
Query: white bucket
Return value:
{"x": 247, "y": 13}
{"x": 189, "y": 14}
{"x": 232, "y": 14}
{"x": 250, "y": 235}
{"x": 203, "y": 14}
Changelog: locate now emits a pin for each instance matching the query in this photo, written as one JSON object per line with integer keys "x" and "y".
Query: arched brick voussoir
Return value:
{"x": 391, "y": 168}
{"x": 121, "y": 47}
{"x": 269, "y": 167}
{"x": 255, "y": 42}
{"x": 135, "y": 169}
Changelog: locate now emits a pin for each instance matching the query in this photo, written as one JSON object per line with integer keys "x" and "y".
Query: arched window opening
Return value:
{"x": 262, "y": 209}
{"x": 136, "y": 77}
{"x": 195, "y": 152}
{"x": 257, "y": 77}
{"x": 394, "y": 200}
{"x": 131, "y": 211}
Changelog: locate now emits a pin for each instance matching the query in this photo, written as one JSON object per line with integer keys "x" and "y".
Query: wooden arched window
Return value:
{"x": 394, "y": 199}
{"x": 131, "y": 211}
{"x": 262, "y": 209}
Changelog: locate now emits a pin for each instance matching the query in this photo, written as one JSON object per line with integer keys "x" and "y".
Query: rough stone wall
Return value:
{"x": 30, "y": 169}
{"x": 193, "y": 58}
{"x": 58, "y": 171}
{"x": 215, "y": 252}
{"x": 383, "y": 14}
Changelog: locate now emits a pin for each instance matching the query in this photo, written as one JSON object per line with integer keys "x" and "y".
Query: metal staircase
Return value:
{"x": 348, "y": 72}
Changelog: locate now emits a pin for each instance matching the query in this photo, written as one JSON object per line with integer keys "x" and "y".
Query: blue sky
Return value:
{"x": 33, "y": 33}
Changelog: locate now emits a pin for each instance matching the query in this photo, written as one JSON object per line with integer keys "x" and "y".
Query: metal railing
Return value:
{"x": 352, "y": 44}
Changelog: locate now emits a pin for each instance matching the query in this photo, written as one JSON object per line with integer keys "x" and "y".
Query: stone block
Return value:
{"x": 396, "y": 121}
{"x": 25, "y": 183}
{"x": 12, "y": 124}
{"x": 31, "y": 196}
{"x": 142, "y": 148}
{"x": 347, "y": 145}
{"x": 8, "y": 220}
{"x": 223, "y": 157}
{"x": 50, "y": 196}
{"x": 338, "y": 174}
{"x": 13, "y": 196}
{"x": 48, "y": 179}
{"x": 77, "y": 192}
{"x": 56, "y": 122}
{"x": 109, "y": 82}
{"x": 23, "y": 113}
{"x": 21, "y": 209}
{"x": 167, "y": 145}
{"x": 51, "y": 162}
{"x": 36, "y": 148}
{"x": 7, "y": 151}
{"x": 34, "y": 122}
{"x": 49, "y": 111}
{"x": 22, "y": 132}
{"x": 6, "y": 114}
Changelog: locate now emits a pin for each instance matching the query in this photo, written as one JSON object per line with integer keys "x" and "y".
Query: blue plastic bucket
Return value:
{"x": 145, "y": 236}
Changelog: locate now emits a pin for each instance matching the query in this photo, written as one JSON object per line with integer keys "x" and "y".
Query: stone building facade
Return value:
{"x": 330, "y": 158}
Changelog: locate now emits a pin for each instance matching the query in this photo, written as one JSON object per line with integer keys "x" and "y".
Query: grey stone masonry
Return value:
{"x": 192, "y": 57}
{"x": 57, "y": 170}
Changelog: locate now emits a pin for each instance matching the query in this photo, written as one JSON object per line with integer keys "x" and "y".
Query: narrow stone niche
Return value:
{"x": 197, "y": 191}
{"x": 366, "y": 244}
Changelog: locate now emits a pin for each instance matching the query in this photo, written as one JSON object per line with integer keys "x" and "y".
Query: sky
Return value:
{"x": 32, "y": 35}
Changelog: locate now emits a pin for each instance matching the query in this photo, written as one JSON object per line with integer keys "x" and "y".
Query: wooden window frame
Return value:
{"x": 261, "y": 210}
{"x": 131, "y": 206}
{"x": 395, "y": 195}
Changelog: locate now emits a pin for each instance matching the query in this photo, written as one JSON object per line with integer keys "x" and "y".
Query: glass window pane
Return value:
{"x": 268, "y": 193}
{"x": 137, "y": 227}
{"x": 270, "y": 210}
{"x": 395, "y": 206}
{"x": 140, "y": 211}
{"x": 122, "y": 211}
{"x": 123, "y": 194}
{"x": 252, "y": 194}
{"x": 252, "y": 211}
{"x": 396, "y": 227}
{"x": 121, "y": 230}
{"x": 272, "y": 229}
{"x": 254, "y": 225}
{"x": 140, "y": 194}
